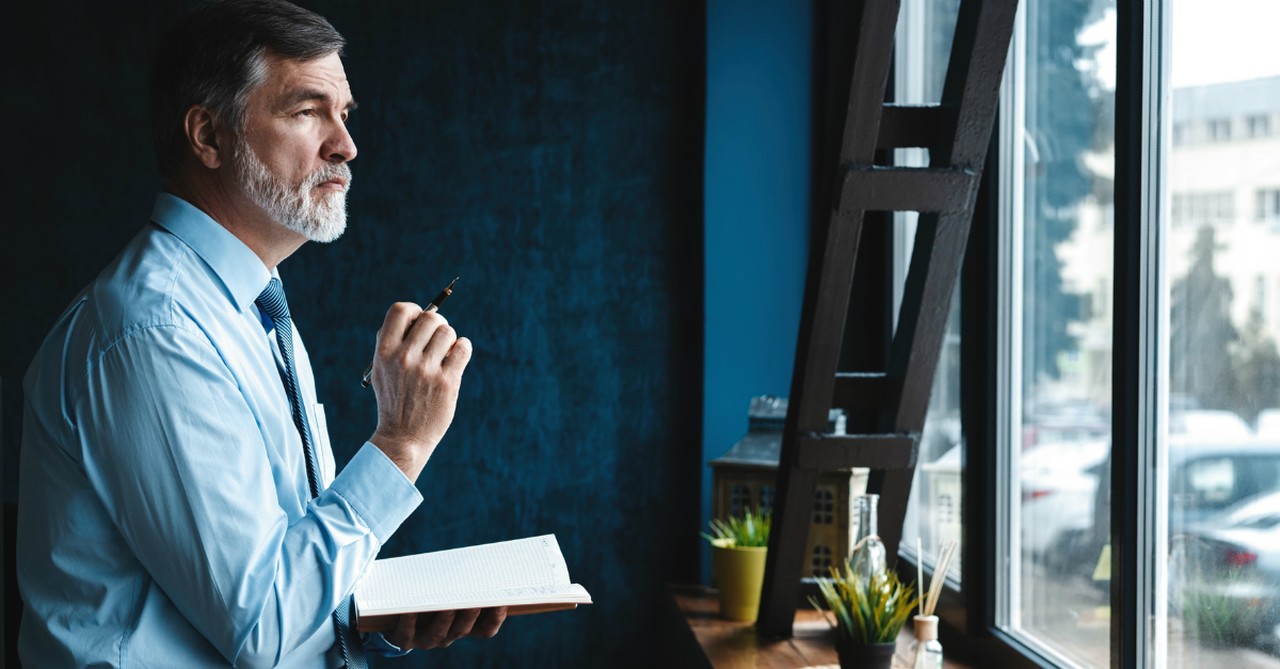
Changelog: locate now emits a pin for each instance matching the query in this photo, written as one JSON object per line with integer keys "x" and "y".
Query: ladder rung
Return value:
{"x": 928, "y": 189}
{"x": 876, "y": 451}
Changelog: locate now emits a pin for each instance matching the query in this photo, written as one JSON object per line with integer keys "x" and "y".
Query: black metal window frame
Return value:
{"x": 971, "y": 615}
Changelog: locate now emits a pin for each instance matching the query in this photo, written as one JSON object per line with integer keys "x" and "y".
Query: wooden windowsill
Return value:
{"x": 725, "y": 644}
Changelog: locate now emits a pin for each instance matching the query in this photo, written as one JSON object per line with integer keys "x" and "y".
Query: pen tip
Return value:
{"x": 455, "y": 280}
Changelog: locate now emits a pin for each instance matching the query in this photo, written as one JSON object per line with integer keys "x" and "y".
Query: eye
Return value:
{"x": 309, "y": 111}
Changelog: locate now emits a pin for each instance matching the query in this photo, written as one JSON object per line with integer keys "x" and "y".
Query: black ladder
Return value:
{"x": 956, "y": 132}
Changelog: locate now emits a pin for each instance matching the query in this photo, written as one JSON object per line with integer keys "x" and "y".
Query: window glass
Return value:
{"x": 1058, "y": 132}
{"x": 1223, "y": 430}
{"x": 925, "y": 32}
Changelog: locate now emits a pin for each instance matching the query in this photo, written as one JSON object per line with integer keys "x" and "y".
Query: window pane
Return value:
{"x": 925, "y": 32}
{"x": 1222, "y": 241}
{"x": 1060, "y": 118}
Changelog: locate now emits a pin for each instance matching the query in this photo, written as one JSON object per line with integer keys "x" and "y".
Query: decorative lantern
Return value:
{"x": 746, "y": 478}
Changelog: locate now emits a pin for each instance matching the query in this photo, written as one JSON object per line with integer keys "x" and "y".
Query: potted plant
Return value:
{"x": 866, "y": 615}
{"x": 738, "y": 546}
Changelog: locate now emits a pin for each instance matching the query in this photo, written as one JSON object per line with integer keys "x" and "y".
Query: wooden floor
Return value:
{"x": 699, "y": 637}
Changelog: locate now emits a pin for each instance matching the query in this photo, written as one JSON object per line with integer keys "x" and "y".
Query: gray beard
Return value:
{"x": 320, "y": 219}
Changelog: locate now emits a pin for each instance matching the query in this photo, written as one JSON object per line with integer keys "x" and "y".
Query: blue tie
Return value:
{"x": 273, "y": 304}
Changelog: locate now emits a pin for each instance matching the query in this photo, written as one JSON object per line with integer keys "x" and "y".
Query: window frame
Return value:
{"x": 1139, "y": 490}
{"x": 1139, "y": 494}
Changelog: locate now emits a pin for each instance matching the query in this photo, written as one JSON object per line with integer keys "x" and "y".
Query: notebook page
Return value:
{"x": 532, "y": 566}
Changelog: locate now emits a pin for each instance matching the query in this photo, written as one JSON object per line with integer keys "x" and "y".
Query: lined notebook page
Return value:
{"x": 531, "y": 569}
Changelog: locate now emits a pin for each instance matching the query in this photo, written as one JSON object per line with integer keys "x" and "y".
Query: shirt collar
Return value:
{"x": 236, "y": 265}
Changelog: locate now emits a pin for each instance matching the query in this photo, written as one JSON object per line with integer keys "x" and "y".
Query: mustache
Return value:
{"x": 326, "y": 172}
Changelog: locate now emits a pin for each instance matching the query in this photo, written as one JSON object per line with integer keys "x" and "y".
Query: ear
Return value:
{"x": 202, "y": 136}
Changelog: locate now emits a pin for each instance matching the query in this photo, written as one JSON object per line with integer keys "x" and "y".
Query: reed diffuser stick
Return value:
{"x": 949, "y": 548}
{"x": 919, "y": 572}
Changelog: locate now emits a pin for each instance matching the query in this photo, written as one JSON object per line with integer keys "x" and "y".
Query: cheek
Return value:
{"x": 290, "y": 156}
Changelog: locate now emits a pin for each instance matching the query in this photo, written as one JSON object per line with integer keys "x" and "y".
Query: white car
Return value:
{"x": 1058, "y": 485}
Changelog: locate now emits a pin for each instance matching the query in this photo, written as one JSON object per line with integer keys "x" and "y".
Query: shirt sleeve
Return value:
{"x": 174, "y": 449}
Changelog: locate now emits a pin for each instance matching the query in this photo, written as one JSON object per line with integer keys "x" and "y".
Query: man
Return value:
{"x": 179, "y": 505}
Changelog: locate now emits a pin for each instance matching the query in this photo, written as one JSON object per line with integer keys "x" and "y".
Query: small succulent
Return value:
{"x": 751, "y": 529}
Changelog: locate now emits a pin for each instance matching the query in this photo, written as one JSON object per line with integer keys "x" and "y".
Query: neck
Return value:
{"x": 227, "y": 204}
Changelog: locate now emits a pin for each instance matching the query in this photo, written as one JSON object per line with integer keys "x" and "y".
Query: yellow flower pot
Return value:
{"x": 739, "y": 575}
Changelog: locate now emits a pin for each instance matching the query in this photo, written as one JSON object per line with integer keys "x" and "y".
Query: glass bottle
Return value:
{"x": 868, "y": 557}
{"x": 926, "y": 649}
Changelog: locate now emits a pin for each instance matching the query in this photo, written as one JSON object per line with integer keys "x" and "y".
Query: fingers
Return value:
{"x": 416, "y": 333}
{"x": 396, "y": 323}
{"x": 403, "y": 635}
{"x": 462, "y": 624}
{"x": 458, "y": 357}
{"x": 422, "y": 328}
{"x": 416, "y": 376}
{"x": 441, "y": 629}
{"x": 435, "y": 634}
{"x": 491, "y": 619}
{"x": 439, "y": 337}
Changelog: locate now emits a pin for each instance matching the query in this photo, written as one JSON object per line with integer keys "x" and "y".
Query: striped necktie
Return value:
{"x": 272, "y": 303}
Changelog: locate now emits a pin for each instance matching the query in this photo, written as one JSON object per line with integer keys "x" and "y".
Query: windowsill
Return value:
{"x": 700, "y": 637}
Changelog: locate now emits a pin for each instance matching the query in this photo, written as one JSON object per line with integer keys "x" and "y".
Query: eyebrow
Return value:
{"x": 311, "y": 94}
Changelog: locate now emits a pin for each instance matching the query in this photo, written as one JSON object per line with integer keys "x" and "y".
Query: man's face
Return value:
{"x": 290, "y": 160}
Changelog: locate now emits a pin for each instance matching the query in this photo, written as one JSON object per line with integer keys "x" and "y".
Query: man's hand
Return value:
{"x": 438, "y": 630}
{"x": 417, "y": 369}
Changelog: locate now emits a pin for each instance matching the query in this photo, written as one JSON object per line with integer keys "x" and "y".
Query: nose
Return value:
{"x": 339, "y": 147}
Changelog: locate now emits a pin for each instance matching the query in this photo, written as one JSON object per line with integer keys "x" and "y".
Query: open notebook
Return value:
{"x": 525, "y": 575}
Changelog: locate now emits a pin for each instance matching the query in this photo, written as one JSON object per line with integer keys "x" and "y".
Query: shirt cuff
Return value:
{"x": 377, "y": 490}
{"x": 376, "y": 643}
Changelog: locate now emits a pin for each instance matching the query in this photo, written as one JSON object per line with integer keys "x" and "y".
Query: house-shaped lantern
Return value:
{"x": 746, "y": 478}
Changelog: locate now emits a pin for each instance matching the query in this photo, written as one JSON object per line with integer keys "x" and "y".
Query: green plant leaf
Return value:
{"x": 866, "y": 613}
{"x": 751, "y": 529}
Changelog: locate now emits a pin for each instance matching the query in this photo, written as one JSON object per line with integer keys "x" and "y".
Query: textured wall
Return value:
{"x": 549, "y": 153}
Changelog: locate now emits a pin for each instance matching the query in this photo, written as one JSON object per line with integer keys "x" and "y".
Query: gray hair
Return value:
{"x": 216, "y": 55}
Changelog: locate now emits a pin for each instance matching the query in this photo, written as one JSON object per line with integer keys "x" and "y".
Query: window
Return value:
{"x": 824, "y": 506}
{"x": 1176, "y": 361}
{"x": 1056, "y": 383}
{"x": 1258, "y": 125}
{"x": 1136, "y": 345}
{"x": 1219, "y": 129}
{"x": 766, "y": 496}
{"x": 1223, "y": 378}
{"x": 740, "y": 499}
{"x": 820, "y": 564}
{"x": 1203, "y": 208}
{"x": 1268, "y": 204}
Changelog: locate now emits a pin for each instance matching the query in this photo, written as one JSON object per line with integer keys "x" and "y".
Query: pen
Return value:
{"x": 433, "y": 306}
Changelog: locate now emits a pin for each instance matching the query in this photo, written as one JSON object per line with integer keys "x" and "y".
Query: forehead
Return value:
{"x": 287, "y": 77}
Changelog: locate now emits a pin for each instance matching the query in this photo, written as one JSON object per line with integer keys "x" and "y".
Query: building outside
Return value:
{"x": 1223, "y": 175}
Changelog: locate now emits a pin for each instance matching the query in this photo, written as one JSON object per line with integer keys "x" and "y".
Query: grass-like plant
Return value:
{"x": 751, "y": 529}
{"x": 866, "y": 613}
{"x": 1217, "y": 618}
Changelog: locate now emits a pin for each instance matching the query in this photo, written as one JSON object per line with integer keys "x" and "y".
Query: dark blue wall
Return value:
{"x": 549, "y": 153}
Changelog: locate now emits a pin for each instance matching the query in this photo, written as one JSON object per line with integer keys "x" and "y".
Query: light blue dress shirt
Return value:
{"x": 164, "y": 518}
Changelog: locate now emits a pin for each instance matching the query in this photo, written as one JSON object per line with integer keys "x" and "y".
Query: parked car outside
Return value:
{"x": 1214, "y": 462}
{"x": 1059, "y": 481}
{"x": 1267, "y": 424}
{"x": 1207, "y": 477}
